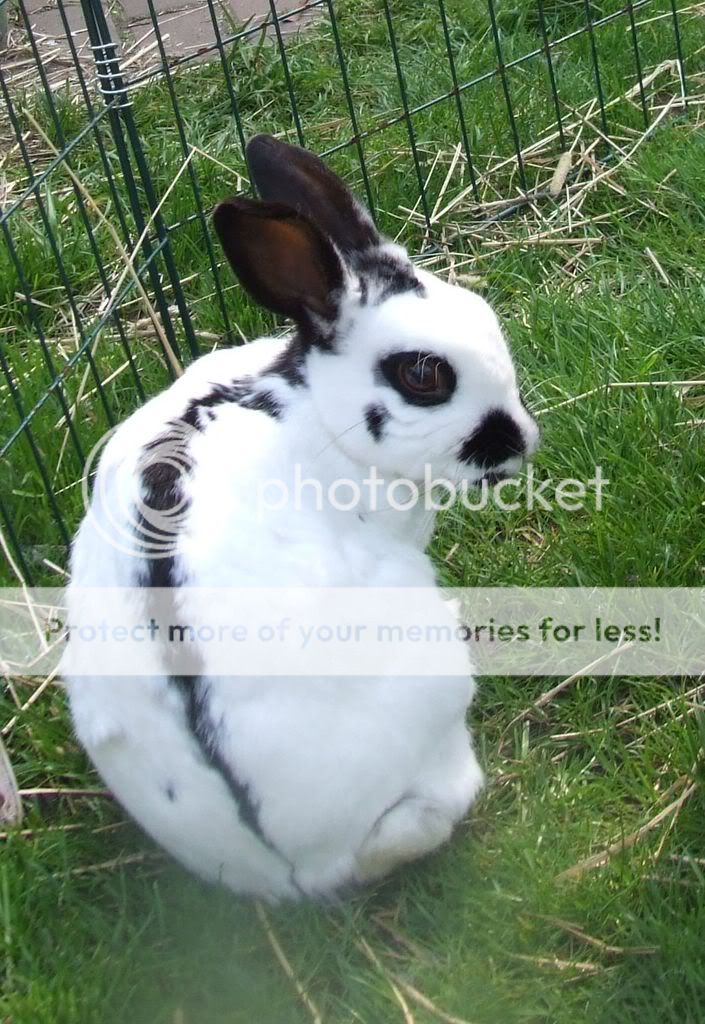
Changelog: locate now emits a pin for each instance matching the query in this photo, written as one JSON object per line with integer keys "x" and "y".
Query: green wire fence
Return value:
{"x": 116, "y": 140}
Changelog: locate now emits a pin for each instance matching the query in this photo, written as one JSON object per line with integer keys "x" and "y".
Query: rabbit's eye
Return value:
{"x": 420, "y": 377}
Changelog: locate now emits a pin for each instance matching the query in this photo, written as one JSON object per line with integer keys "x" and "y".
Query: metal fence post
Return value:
{"x": 3, "y": 22}
{"x": 129, "y": 149}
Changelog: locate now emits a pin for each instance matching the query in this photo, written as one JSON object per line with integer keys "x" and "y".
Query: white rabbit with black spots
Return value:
{"x": 291, "y": 787}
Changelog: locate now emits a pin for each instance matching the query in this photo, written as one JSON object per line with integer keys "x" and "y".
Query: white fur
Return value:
{"x": 351, "y": 776}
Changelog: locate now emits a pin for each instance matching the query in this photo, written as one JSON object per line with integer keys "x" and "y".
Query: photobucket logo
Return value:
{"x": 140, "y": 503}
{"x": 375, "y": 493}
{"x": 140, "y": 506}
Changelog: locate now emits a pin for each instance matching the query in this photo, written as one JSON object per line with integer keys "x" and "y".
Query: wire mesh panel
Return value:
{"x": 122, "y": 124}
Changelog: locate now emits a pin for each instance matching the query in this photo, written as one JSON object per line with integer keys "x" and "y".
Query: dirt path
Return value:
{"x": 186, "y": 28}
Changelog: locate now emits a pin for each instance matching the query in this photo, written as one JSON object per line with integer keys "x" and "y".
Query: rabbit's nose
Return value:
{"x": 498, "y": 437}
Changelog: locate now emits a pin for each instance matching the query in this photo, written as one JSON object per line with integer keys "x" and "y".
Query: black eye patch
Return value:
{"x": 421, "y": 378}
{"x": 497, "y": 439}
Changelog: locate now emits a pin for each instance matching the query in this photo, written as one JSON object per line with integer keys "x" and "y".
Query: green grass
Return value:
{"x": 477, "y": 928}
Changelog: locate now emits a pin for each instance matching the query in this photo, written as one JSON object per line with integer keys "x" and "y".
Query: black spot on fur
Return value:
{"x": 170, "y": 792}
{"x": 319, "y": 334}
{"x": 264, "y": 401}
{"x": 194, "y": 692}
{"x": 220, "y": 394}
{"x": 243, "y": 392}
{"x": 389, "y": 275}
{"x": 290, "y": 364}
{"x": 497, "y": 439}
{"x": 165, "y": 461}
{"x": 375, "y": 418}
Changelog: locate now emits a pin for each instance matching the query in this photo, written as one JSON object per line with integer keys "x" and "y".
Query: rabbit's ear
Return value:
{"x": 282, "y": 259}
{"x": 291, "y": 175}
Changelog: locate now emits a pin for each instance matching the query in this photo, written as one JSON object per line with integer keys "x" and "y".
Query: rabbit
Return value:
{"x": 288, "y": 787}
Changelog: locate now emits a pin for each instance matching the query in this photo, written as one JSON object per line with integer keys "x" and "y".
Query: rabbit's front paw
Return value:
{"x": 410, "y": 829}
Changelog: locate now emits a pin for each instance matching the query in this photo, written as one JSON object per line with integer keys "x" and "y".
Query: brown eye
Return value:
{"x": 421, "y": 378}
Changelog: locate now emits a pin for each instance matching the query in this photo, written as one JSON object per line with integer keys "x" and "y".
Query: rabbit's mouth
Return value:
{"x": 493, "y": 477}
{"x": 507, "y": 470}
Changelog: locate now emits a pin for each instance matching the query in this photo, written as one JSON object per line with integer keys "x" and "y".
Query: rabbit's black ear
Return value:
{"x": 283, "y": 260}
{"x": 291, "y": 175}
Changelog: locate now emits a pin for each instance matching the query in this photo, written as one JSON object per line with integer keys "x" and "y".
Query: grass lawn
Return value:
{"x": 96, "y": 926}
